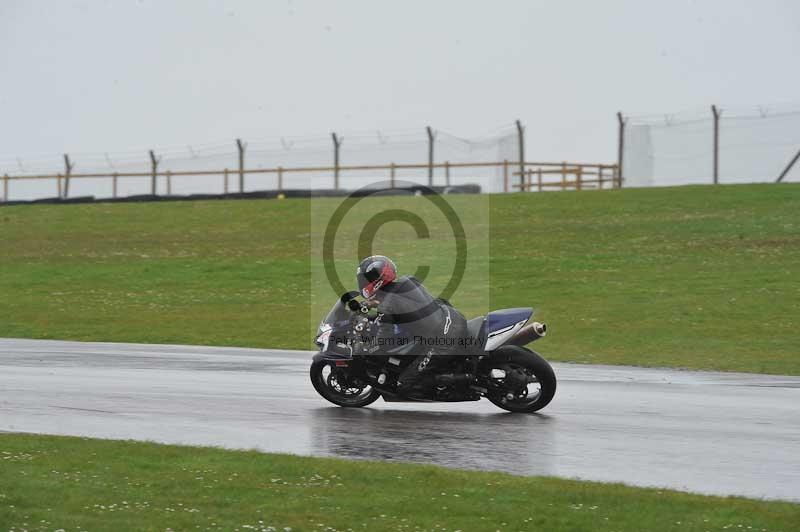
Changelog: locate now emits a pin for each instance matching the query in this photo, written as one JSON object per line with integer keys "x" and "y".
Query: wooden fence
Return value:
{"x": 536, "y": 175}
{"x": 568, "y": 176}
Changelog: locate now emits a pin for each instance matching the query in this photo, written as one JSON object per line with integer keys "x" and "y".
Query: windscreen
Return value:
{"x": 337, "y": 313}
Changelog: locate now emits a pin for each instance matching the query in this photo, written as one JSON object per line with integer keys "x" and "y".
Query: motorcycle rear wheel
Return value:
{"x": 512, "y": 357}
{"x": 342, "y": 393}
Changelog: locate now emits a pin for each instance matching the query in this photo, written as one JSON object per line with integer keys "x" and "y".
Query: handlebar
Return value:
{"x": 352, "y": 304}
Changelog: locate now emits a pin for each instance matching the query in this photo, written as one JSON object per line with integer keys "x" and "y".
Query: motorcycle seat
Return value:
{"x": 476, "y": 328}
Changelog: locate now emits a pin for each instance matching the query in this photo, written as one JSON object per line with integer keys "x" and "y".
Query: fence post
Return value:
{"x": 241, "y": 147}
{"x": 280, "y": 179}
{"x": 5, "y": 188}
{"x": 114, "y": 177}
{"x": 539, "y": 178}
{"x": 716, "y": 113}
{"x": 785, "y": 170}
{"x": 225, "y": 186}
{"x": 563, "y": 175}
{"x": 578, "y": 178}
{"x": 430, "y": 155}
{"x": 505, "y": 175}
{"x": 392, "y": 172}
{"x": 68, "y": 166}
{"x": 153, "y": 173}
{"x": 447, "y": 173}
{"x": 600, "y": 176}
{"x": 521, "y": 142}
{"x": 620, "y": 147}
{"x": 528, "y": 177}
{"x": 169, "y": 183}
{"x": 337, "y": 142}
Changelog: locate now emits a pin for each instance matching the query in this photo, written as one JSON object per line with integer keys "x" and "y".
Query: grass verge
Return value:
{"x": 655, "y": 277}
{"x": 50, "y": 483}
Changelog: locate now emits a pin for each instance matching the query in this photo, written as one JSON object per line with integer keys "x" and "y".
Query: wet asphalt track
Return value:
{"x": 697, "y": 431}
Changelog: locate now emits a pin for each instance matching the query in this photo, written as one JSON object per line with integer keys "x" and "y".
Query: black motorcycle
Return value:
{"x": 353, "y": 369}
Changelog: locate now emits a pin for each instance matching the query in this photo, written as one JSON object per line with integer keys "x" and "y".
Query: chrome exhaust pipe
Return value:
{"x": 529, "y": 333}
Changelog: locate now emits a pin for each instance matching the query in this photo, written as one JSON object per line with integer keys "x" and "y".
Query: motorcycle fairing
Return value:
{"x": 502, "y": 325}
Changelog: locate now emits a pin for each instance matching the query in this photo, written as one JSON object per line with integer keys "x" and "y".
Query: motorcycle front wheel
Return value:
{"x": 541, "y": 385}
{"x": 337, "y": 386}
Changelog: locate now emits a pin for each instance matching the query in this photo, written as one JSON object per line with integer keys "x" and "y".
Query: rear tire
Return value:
{"x": 321, "y": 384}
{"x": 512, "y": 356}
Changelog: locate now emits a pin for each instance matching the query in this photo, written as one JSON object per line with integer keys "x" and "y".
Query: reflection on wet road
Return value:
{"x": 699, "y": 431}
{"x": 437, "y": 437}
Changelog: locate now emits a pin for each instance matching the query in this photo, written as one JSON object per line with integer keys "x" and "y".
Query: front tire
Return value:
{"x": 336, "y": 386}
{"x": 539, "y": 371}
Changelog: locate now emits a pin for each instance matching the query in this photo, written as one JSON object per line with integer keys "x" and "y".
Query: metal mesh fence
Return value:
{"x": 753, "y": 145}
{"x": 308, "y": 163}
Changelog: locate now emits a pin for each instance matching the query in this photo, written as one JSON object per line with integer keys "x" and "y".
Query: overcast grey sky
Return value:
{"x": 117, "y": 75}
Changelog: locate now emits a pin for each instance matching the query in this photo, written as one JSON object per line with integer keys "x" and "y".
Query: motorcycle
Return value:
{"x": 352, "y": 369}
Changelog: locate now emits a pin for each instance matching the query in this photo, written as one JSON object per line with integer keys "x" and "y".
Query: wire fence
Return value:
{"x": 718, "y": 145}
{"x": 495, "y": 162}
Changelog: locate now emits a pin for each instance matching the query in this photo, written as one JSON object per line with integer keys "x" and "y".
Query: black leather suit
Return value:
{"x": 424, "y": 320}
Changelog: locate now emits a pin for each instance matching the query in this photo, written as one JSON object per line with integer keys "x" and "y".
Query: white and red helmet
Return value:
{"x": 373, "y": 273}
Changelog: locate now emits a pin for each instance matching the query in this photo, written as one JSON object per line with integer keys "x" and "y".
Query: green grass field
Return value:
{"x": 694, "y": 277}
{"x": 52, "y": 483}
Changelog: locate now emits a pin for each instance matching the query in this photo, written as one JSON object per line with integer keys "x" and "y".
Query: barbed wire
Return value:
{"x": 260, "y": 149}
{"x": 728, "y": 112}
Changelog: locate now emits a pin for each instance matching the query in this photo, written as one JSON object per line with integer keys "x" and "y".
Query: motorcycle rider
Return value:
{"x": 406, "y": 303}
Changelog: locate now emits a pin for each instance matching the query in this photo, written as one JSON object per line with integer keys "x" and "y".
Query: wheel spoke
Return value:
{"x": 530, "y": 394}
{"x": 349, "y": 390}
{"x": 337, "y": 386}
